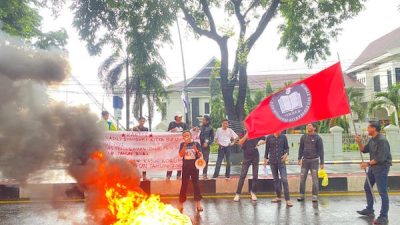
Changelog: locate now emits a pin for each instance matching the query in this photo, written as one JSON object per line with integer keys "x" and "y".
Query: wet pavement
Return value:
{"x": 330, "y": 211}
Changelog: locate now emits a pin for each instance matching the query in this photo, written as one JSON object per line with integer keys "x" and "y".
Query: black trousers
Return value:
{"x": 206, "y": 156}
{"x": 247, "y": 162}
{"x": 190, "y": 174}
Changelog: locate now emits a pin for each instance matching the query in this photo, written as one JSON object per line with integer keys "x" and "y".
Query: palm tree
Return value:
{"x": 390, "y": 98}
{"x": 111, "y": 73}
{"x": 153, "y": 89}
{"x": 354, "y": 97}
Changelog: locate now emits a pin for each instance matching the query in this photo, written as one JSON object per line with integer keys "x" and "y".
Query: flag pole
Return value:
{"x": 356, "y": 133}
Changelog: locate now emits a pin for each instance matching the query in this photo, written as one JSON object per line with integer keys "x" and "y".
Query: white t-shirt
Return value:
{"x": 224, "y": 136}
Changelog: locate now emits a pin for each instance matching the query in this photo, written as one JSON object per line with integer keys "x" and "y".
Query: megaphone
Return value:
{"x": 200, "y": 163}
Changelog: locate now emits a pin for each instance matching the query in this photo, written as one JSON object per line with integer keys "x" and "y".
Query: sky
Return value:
{"x": 378, "y": 18}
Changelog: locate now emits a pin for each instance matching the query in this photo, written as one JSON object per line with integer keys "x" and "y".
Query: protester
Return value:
{"x": 105, "y": 124}
{"x": 311, "y": 155}
{"x": 276, "y": 153}
{"x": 225, "y": 138}
{"x": 190, "y": 152}
{"x": 140, "y": 126}
{"x": 176, "y": 126}
{"x": 378, "y": 169}
{"x": 251, "y": 157}
{"x": 206, "y": 140}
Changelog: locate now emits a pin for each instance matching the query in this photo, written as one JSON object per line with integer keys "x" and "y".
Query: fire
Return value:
{"x": 117, "y": 183}
{"x": 132, "y": 208}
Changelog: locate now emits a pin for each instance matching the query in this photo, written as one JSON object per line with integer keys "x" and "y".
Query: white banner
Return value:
{"x": 156, "y": 151}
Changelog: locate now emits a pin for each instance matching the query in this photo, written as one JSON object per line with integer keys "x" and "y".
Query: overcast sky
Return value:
{"x": 378, "y": 18}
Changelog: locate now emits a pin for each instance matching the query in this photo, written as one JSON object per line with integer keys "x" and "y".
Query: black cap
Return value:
{"x": 104, "y": 113}
{"x": 376, "y": 125}
{"x": 207, "y": 117}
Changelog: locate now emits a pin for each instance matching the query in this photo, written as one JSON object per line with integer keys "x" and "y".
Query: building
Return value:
{"x": 377, "y": 68}
{"x": 199, "y": 91}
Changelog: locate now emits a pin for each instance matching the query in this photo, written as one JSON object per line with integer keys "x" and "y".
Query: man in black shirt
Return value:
{"x": 176, "y": 126}
{"x": 251, "y": 157}
{"x": 378, "y": 170}
{"x": 206, "y": 140}
{"x": 140, "y": 126}
{"x": 276, "y": 153}
{"x": 311, "y": 156}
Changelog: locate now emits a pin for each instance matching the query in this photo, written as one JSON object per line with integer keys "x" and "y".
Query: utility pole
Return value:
{"x": 185, "y": 91}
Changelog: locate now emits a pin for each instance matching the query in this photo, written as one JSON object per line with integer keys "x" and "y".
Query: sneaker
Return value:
{"x": 168, "y": 178}
{"x": 289, "y": 203}
{"x": 300, "y": 199}
{"x": 227, "y": 178}
{"x": 366, "y": 212}
{"x": 381, "y": 221}
{"x": 314, "y": 198}
{"x": 236, "y": 198}
{"x": 253, "y": 196}
{"x": 276, "y": 200}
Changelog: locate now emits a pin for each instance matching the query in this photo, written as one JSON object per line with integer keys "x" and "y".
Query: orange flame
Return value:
{"x": 124, "y": 200}
{"x": 133, "y": 208}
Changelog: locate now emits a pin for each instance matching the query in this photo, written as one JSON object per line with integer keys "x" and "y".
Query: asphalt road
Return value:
{"x": 330, "y": 210}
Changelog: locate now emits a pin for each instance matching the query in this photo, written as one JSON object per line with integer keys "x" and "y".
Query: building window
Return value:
{"x": 207, "y": 108}
{"x": 377, "y": 83}
{"x": 389, "y": 78}
{"x": 397, "y": 73}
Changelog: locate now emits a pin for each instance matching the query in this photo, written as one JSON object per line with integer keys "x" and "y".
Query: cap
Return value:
{"x": 376, "y": 125}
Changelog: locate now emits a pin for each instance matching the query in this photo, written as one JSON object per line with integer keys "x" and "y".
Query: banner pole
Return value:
{"x": 356, "y": 133}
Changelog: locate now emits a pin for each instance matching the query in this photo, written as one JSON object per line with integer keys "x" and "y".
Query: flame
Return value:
{"x": 124, "y": 200}
{"x": 133, "y": 208}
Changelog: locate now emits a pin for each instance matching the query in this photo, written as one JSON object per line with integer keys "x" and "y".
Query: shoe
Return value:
{"x": 381, "y": 221}
{"x": 180, "y": 207}
{"x": 366, "y": 212}
{"x": 178, "y": 177}
{"x": 236, "y": 198}
{"x": 289, "y": 204}
{"x": 300, "y": 199}
{"x": 276, "y": 200}
{"x": 227, "y": 178}
{"x": 205, "y": 177}
{"x": 168, "y": 178}
{"x": 253, "y": 196}
{"x": 314, "y": 198}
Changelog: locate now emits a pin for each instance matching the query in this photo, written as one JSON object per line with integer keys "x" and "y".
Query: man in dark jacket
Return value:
{"x": 206, "y": 140}
{"x": 378, "y": 170}
{"x": 311, "y": 156}
{"x": 276, "y": 153}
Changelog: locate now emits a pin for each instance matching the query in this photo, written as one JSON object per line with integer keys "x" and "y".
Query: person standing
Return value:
{"x": 251, "y": 157}
{"x": 311, "y": 156}
{"x": 225, "y": 138}
{"x": 276, "y": 153}
{"x": 378, "y": 169}
{"x": 176, "y": 126}
{"x": 206, "y": 140}
{"x": 190, "y": 152}
{"x": 105, "y": 124}
{"x": 141, "y": 128}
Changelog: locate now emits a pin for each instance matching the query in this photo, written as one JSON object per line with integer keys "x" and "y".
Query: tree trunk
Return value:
{"x": 227, "y": 87}
{"x": 241, "y": 99}
{"x": 127, "y": 93}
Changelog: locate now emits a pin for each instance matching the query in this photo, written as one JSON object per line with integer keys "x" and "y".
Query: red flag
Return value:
{"x": 318, "y": 97}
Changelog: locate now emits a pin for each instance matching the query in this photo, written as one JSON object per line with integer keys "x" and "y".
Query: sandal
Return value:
{"x": 276, "y": 200}
{"x": 199, "y": 209}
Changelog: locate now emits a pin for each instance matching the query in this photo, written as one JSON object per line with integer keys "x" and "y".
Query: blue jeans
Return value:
{"x": 223, "y": 151}
{"x": 378, "y": 176}
{"x": 247, "y": 162}
{"x": 281, "y": 169}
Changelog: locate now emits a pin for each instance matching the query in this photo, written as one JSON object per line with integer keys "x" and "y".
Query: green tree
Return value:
{"x": 21, "y": 18}
{"x": 217, "y": 104}
{"x": 268, "y": 88}
{"x": 390, "y": 98}
{"x": 355, "y": 99}
{"x": 307, "y": 28}
{"x": 143, "y": 25}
